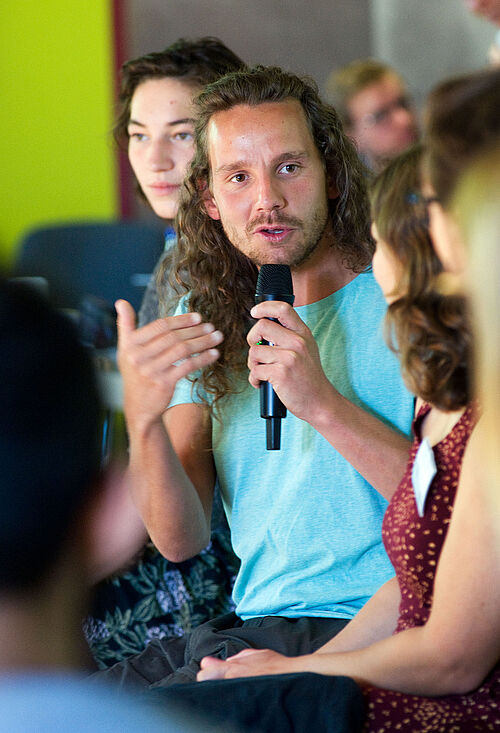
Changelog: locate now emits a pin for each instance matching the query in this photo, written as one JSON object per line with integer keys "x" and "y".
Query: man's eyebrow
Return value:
{"x": 183, "y": 121}
{"x": 242, "y": 164}
{"x": 231, "y": 167}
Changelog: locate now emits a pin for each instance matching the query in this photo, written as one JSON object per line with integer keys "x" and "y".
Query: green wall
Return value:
{"x": 56, "y": 153}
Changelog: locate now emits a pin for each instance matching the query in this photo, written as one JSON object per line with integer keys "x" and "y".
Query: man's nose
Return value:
{"x": 269, "y": 194}
{"x": 403, "y": 116}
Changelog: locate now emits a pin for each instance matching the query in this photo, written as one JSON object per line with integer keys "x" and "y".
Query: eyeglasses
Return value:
{"x": 382, "y": 115}
{"x": 415, "y": 197}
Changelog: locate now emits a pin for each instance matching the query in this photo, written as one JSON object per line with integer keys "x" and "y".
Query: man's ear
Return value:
{"x": 209, "y": 201}
{"x": 331, "y": 189}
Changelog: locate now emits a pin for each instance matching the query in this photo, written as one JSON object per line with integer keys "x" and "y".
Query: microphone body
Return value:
{"x": 273, "y": 283}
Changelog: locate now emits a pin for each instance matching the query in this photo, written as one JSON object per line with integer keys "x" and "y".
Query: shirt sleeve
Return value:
{"x": 187, "y": 392}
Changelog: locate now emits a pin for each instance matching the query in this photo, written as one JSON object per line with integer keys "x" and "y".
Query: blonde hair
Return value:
{"x": 476, "y": 205}
{"x": 345, "y": 82}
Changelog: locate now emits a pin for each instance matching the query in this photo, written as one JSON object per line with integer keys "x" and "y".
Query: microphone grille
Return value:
{"x": 274, "y": 279}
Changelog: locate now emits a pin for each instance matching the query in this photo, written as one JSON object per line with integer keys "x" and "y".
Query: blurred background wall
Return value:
{"x": 59, "y": 58}
{"x": 56, "y": 93}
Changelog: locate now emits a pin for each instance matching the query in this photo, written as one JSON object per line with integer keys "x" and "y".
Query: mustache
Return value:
{"x": 266, "y": 220}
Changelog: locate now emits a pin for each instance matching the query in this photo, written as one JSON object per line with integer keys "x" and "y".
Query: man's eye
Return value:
{"x": 238, "y": 178}
{"x": 289, "y": 168}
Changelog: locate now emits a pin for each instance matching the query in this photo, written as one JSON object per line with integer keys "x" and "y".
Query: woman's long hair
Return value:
{"x": 428, "y": 330}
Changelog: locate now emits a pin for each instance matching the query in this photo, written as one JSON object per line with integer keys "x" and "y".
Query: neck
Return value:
{"x": 322, "y": 274}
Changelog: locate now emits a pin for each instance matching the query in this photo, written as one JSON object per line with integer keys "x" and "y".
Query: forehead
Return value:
{"x": 377, "y": 94}
{"x": 159, "y": 96}
{"x": 247, "y": 132}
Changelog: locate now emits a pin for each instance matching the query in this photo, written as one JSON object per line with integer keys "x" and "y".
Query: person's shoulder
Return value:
{"x": 44, "y": 703}
{"x": 183, "y": 304}
{"x": 364, "y": 285}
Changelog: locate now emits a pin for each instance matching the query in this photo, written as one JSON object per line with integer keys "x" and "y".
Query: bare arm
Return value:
{"x": 460, "y": 643}
{"x": 293, "y": 367}
{"x": 376, "y": 620}
{"x": 173, "y": 491}
{"x": 117, "y": 530}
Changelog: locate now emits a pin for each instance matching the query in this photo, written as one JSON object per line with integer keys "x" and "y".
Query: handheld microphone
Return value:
{"x": 273, "y": 283}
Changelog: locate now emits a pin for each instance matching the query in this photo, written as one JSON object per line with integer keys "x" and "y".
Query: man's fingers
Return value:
{"x": 211, "y": 668}
{"x": 278, "y": 309}
{"x": 192, "y": 363}
{"x": 162, "y": 354}
{"x": 184, "y": 341}
{"x": 172, "y": 324}
{"x": 210, "y": 662}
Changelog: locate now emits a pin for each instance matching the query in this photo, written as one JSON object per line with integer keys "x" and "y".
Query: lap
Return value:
{"x": 168, "y": 662}
{"x": 274, "y": 704}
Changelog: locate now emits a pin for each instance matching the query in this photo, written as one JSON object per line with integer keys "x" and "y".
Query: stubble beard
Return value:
{"x": 314, "y": 230}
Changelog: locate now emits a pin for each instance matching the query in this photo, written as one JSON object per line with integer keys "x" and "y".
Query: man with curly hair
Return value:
{"x": 274, "y": 180}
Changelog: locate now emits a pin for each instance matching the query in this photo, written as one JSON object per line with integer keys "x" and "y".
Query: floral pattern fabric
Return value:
{"x": 156, "y": 598}
{"x": 159, "y": 599}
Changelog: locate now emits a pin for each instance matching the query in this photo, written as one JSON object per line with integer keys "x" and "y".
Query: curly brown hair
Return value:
{"x": 221, "y": 279}
{"x": 428, "y": 330}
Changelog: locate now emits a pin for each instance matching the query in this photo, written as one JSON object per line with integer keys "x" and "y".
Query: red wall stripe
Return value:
{"x": 120, "y": 55}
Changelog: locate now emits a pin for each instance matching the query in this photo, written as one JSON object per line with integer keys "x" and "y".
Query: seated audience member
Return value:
{"x": 376, "y": 110}
{"x": 152, "y": 597}
{"x": 55, "y": 509}
{"x": 422, "y": 663}
{"x": 274, "y": 180}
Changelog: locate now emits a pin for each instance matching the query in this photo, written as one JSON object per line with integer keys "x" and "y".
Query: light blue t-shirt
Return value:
{"x": 305, "y": 524}
{"x": 65, "y": 702}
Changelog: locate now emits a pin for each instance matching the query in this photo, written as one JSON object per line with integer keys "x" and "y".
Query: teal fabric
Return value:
{"x": 305, "y": 524}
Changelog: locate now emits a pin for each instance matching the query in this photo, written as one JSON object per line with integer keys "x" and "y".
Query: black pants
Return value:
{"x": 173, "y": 661}
{"x": 287, "y": 703}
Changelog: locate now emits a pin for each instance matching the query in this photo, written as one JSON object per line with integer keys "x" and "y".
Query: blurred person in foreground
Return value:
{"x": 476, "y": 202}
{"x": 57, "y": 511}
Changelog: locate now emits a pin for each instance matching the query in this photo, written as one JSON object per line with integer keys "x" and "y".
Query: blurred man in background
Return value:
{"x": 376, "y": 109}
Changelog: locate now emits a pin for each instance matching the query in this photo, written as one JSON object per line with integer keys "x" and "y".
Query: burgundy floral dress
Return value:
{"x": 414, "y": 544}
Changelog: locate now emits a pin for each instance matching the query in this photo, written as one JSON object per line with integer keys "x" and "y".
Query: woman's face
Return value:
{"x": 445, "y": 234}
{"x": 160, "y": 144}
{"x": 387, "y": 269}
